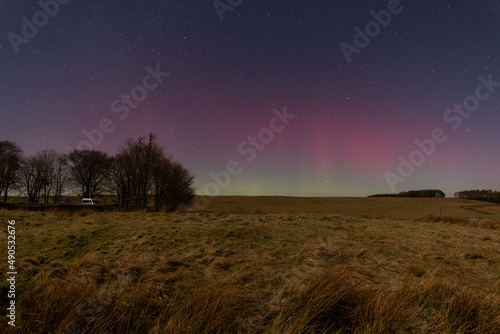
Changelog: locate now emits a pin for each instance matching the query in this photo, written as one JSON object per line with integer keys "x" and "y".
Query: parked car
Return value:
{"x": 30, "y": 202}
{"x": 90, "y": 201}
{"x": 65, "y": 202}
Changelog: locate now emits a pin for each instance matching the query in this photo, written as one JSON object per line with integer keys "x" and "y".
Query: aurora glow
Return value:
{"x": 225, "y": 78}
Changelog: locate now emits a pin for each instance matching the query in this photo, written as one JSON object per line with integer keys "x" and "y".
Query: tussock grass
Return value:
{"x": 492, "y": 224}
{"x": 444, "y": 219}
{"x": 222, "y": 272}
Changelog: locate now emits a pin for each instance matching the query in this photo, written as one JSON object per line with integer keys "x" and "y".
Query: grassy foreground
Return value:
{"x": 220, "y": 272}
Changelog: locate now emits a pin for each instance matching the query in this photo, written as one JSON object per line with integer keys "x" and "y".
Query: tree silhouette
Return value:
{"x": 141, "y": 169}
{"x": 89, "y": 171}
{"x": 10, "y": 160}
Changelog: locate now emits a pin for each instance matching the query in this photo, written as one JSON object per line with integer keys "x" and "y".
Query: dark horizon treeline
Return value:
{"x": 480, "y": 195}
{"x": 140, "y": 170}
{"x": 426, "y": 193}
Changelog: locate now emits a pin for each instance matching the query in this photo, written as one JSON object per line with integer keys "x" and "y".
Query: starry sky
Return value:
{"x": 297, "y": 98}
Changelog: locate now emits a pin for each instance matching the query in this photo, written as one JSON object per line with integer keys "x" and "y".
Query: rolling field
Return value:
{"x": 354, "y": 206}
{"x": 260, "y": 265}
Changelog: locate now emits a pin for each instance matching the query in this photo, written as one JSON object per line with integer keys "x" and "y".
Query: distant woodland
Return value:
{"x": 479, "y": 195}
{"x": 415, "y": 193}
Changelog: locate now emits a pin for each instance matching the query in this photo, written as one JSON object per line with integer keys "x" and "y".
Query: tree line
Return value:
{"x": 140, "y": 171}
{"x": 427, "y": 193}
{"x": 480, "y": 195}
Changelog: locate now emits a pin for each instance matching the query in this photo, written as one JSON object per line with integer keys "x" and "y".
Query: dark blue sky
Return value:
{"x": 356, "y": 123}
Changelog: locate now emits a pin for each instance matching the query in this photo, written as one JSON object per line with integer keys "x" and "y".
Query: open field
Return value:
{"x": 393, "y": 206}
{"x": 260, "y": 265}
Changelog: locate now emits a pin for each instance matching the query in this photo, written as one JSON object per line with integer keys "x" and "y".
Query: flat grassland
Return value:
{"x": 259, "y": 265}
{"x": 395, "y": 206}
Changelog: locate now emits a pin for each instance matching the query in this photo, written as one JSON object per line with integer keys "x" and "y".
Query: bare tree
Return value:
{"x": 173, "y": 185}
{"x": 10, "y": 160}
{"x": 141, "y": 169}
{"x": 89, "y": 170}
{"x": 31, "y": 175}
{"x": 133, "y": 168}
{"x": 61, "y": 176}
{"x": 44, "y": 174}
{"x": 118, "y": 182}
{"x": 47, "y": 165}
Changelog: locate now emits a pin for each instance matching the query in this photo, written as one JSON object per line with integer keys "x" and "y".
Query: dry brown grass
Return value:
{"x": 374, "y": 207}
{"x": 220, "y": 272}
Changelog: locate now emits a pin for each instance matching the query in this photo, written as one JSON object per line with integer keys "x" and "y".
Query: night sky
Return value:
{"x": 348, "y": 116}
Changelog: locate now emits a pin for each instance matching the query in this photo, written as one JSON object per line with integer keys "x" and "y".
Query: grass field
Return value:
{"x": 354, "y": 206}
{"x": 260, "y": 265}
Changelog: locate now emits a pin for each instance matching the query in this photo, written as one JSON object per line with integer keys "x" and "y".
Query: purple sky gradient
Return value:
{"x": 353, "y": 119}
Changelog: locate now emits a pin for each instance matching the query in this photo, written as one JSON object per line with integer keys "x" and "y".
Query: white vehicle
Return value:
{"x": 90, "y": 201}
